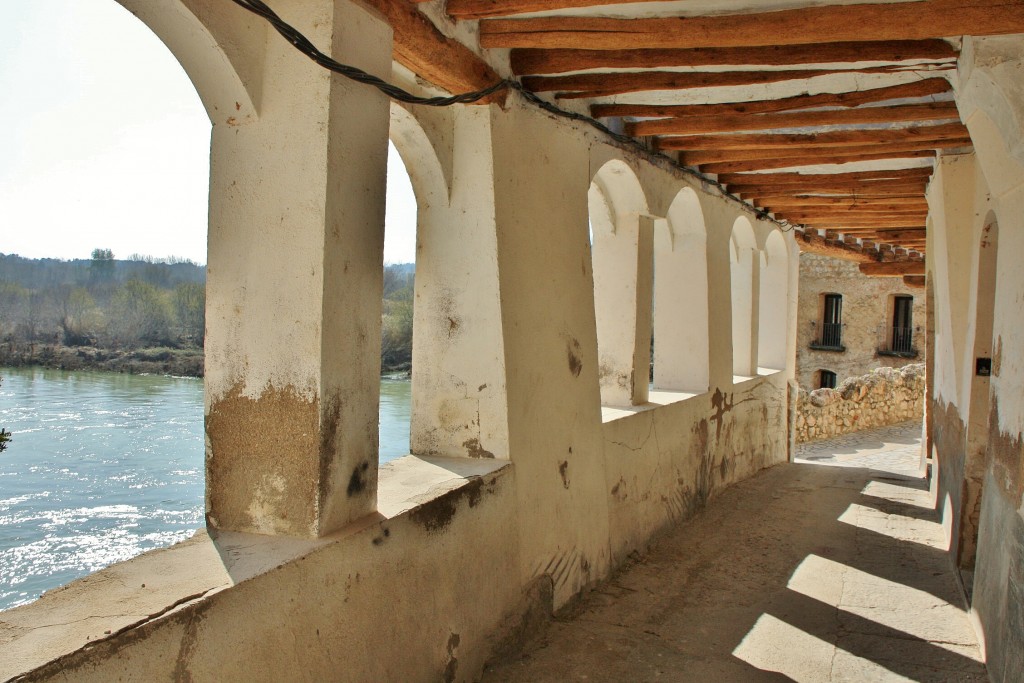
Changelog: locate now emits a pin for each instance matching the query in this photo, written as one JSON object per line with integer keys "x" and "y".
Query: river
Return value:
{"x": 104, "y": 466}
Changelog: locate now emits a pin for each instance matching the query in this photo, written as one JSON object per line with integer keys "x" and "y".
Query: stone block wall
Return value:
{"x": 866, "y": 317}
{"x": 884, "y": 396}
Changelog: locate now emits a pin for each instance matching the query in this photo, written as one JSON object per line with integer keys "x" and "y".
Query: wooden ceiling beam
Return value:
{"x": 840, "y": 138}
{"x": 533, "y": 61}
{"x": 921, "y": 173}
{"x": 827, "y": 213}
{"x": 844, "y": 226}
{"x": 896, "y": 188}
{"x": 896, "y": 235}
{"x": 691, "y": 125}
{"x": 822, "y": 212}
{"x": 804, "y": 26}
{"x": 701, "y": 157}
{"x": 892, "y": 268}
{"x": 816, "y": 244}
{"x": 922, "y": 88}
{"x": 844, "y": 202}
{"x": 796, "y": 162}
{"x": 870, "y": 209}
{"x": 431, "y": 55}
{"x": 765, "y": 196}
{"x": 606, "y": 84}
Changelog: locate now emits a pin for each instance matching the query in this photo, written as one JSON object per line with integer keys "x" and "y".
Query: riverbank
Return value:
{"x": 187, "y": 362}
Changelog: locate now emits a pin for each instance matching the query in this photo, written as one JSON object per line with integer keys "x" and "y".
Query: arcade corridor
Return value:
{"x": 829, "y": 569}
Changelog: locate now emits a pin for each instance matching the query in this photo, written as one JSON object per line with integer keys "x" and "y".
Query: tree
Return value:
{"x": 190, "y": 307}
{"x": 141, "y": 313}
{"x": 79, "y": 316}
{"x": 12, "y": 297}
{"x": 101, "y": 269}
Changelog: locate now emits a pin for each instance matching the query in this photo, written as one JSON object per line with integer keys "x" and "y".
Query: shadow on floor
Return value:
{"x": 804, "y": 572}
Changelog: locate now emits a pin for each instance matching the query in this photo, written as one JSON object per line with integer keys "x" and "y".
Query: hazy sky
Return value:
{"x": 104, "y": 142}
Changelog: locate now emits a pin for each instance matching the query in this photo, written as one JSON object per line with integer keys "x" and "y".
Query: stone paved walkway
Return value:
{"x": 804, "y": 573}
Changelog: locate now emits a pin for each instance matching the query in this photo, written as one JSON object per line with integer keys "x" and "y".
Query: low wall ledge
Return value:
{"x": 134, "y": 593}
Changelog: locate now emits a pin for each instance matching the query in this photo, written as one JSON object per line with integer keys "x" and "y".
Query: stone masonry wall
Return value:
{"x": 867, "y": 312}
{"x": 883, "y": 397}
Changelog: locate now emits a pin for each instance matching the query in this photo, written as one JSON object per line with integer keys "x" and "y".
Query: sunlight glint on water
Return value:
{"x": 105, "y": 466}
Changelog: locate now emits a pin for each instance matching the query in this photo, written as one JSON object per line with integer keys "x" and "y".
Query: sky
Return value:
{"x": 104, "y": 142}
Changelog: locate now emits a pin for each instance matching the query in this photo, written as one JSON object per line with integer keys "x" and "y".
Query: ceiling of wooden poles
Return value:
{"x": 827, "y": 115}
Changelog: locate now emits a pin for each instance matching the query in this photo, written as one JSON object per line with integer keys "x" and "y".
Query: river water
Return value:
{"x": 105, "y": 466}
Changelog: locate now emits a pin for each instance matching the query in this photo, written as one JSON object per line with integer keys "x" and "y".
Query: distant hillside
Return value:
{"x": 47, "y": 272}
{"x": 102, "y": 312}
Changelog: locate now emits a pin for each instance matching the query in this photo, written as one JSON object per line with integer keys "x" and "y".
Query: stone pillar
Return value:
{"x": 720, "y": 308}
{"x": 458, "y": 380}
{"x": 294, "y": 286}
{"x": 744, "y": 275}
{"x": 623, "y": 281}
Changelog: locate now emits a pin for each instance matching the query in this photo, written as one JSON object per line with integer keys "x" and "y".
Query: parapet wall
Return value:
{"x": 882, "y": 397}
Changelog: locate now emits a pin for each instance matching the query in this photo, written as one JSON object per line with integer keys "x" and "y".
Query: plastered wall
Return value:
{"x": 975, "y": 421}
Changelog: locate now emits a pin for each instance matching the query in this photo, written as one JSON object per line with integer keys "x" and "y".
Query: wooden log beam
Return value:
{"x": 850, "y": 225}
{"x": 870, "y": 203}
{"x": 431, "y": 55}
{"x": 784, "y": 201}
{"x": 820, "y": 213}
{"x": 804, "y": 26}
{"x": 892, "y": 268}
{"x": 837, "y": 222}
{"x": 896, "y": 188}
{"x": 923, "y": 88}
{"x": 915, "y": 281}
{"x": 533, "y": 61}
{"x": 795, "y": 162}
{"x": 821, "y": 220}
{"x": 605, "y": 84}
{"x": 712, "y": 156}
{"x": 691, "y": 125}
{"x": 895, "y": 221}
{"x": 816, "y": 244}
{"x": 891, "y": 235}
{"x": 921, "y": 173}
{"x": 842, "y": 138}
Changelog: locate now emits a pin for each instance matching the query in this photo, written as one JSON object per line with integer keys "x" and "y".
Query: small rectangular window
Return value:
{"x": 902, "y": 340}
{"x": 832, "y": 321}
{"x": 826, "y": 379}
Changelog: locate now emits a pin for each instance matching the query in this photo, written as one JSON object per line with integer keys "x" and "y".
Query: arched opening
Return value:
{"x": 397, "y": 310}
{"x": 773, "y": 314}
{"x": 681, "y": 346}
{"x": 457, "y": 378}
{"x": 742, "y": 249}
{"x": 622, "y": 258}
{"x": 110, "y": 158}
{"x": 978, "y": 415}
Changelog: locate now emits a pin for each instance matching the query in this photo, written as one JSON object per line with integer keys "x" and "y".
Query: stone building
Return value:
{"x": 540, "y": 458}
{"x": 849, "y": 324}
